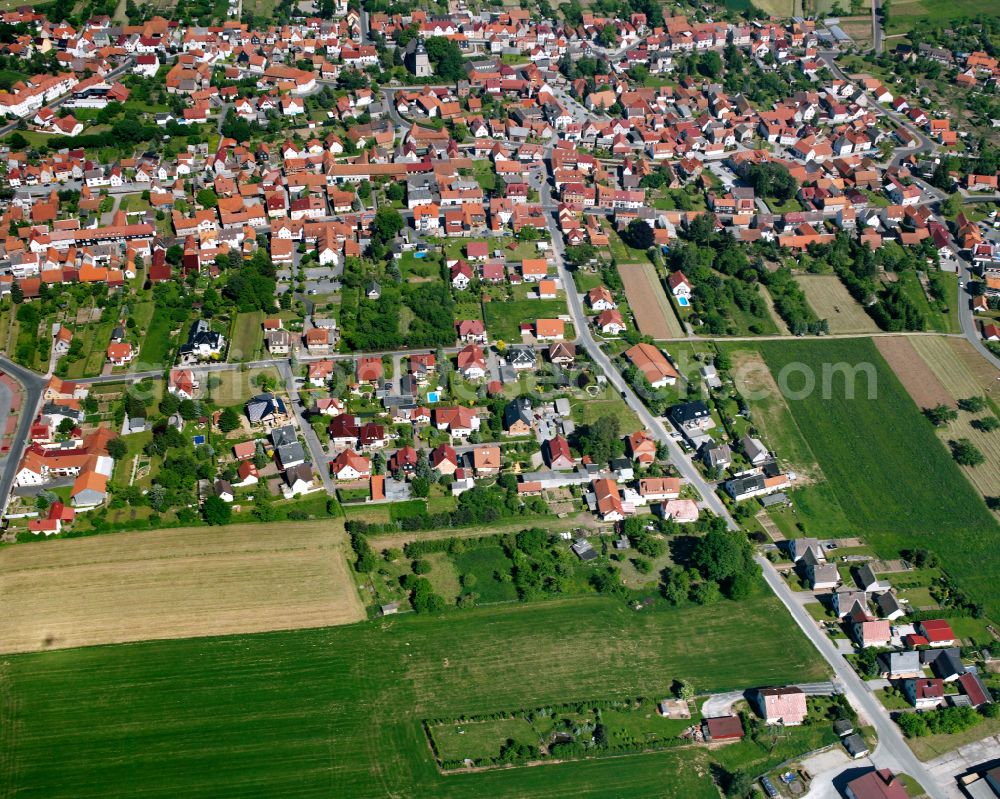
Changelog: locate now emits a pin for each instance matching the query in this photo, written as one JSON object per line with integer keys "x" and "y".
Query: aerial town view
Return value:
{"x": 463, "y": 399}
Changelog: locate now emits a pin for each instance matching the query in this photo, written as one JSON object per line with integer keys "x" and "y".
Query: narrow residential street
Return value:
{"x": 321, "y": 461}
{"x": 32, "y": 387}
{"x": 586, "y": 340}
{"x": 892, "y": 750}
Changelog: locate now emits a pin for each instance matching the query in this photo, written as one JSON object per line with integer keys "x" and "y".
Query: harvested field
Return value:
{"x": 859, "y": 29}
{"x": 962, "y": 372}
{"x": 913, "y": 372}
{"x": 831, "y": 301}
{"x": 175, "y": 584}
{"x": 648, "y": 301}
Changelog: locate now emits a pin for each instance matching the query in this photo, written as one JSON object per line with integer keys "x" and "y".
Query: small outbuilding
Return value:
{"x": 722, "y": 728}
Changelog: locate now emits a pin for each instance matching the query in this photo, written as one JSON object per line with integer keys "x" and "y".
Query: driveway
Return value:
{"x": 721, "y": 704}
{"x": 947, "y": 767}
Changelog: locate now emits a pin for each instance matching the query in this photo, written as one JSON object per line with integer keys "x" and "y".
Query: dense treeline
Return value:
{"x": 858, "y": 268}
{"x": 478, "y": 505}
{"x": 709, "y": 252}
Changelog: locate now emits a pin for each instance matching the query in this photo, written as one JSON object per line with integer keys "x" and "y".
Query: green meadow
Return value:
{"x": 339, "y": 711}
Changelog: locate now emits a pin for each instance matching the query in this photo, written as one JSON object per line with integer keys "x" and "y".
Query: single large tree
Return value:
{"x": 446, "y": 58}
{"x": 216, "y": 511}
{"x": 638, "y": 234}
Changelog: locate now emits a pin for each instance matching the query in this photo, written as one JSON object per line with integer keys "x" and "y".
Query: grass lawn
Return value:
{"x": 297, "y": 713}
{"x": 123, "y": 468}
{"x": 621, "y": 252}
{"x": 134, "y": 202}
{"x": 866, "y": 448}
{"x": 903, "y": 16}
{"x": 247, "y": 336}
{"x": 585, "y": 281}
{"x": 588, "y": 411}
{"x": 818, "y": 611}
{"x": 234, "y": 387}
{"x": 769, "y": 411}
{"x": 817, "y": 508}
{"x": 786, "y": 207}
{"x": 746, "y": 324}
{"x": 420, "y": 270}
{"x": 932, "y": 746}
{"x": 941, "y": 322}
{"x": 142, "y": 313}
{"x": 504, "y": 319}
{"x": 96, "y": 337}
{"x": 476, "y": 739}
{"x": 156, "y": 344}
{"x": 487, "y": 565}
{"x": 482, "y": 170}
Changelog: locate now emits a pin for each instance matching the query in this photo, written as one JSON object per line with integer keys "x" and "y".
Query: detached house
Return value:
{"x": 781, "y": 705}
{"x": 348, "y": 465}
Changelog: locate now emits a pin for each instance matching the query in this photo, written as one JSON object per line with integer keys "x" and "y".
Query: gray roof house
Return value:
{"x": 265, "y": 408}
{"x": 845, "y": 599}
{"x": 754, "y": 450}
{"x": 290, "y": 455}
{"x": 283, "y": 435}
{"x": 888, "y": 606}
{"x": 716, "y": 456}
{"x": 866, "y": 578}
{"x": 945, "y": 663}
{"x": 823, "y": 575}
{"x": 584, "y": 551}
{"x": 746, "y": 487}
{"x": 520, "y": 356}
{"x": 900, "y": 665}
{"x": 298, "y": 479}
{"x": 798, "y": 547}
{"x": 856, "y": 746}
{"x": 224, "y": 490}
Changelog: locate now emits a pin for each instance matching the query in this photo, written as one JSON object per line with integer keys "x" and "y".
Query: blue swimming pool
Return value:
{"x": 198, "y": 440}
{"x": 421, "y": 254}
{"x": 683, "y": 302}
{"x": 432, "y": 397}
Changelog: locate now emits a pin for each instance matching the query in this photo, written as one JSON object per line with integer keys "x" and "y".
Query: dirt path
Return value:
{"x": 778, "y": 321}
{"x": 770, "y": 527}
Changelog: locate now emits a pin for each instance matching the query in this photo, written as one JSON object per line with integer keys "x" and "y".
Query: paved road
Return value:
{"x": 587, "y": 342}
{"x": 967, "y": 320}
{"x": 32, "y": 386}
{"x": 892, "y": 750}
{"x": 320, "y": 459}
{"x": 924, "y": 143}
{"x": 877, "y": 33}
{"x": 721, "y": 704}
